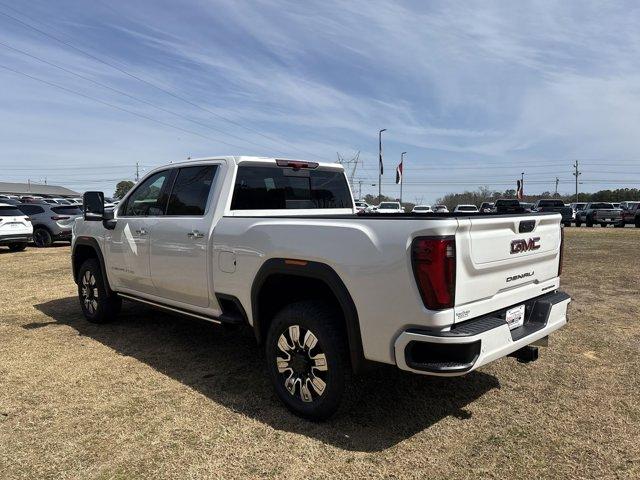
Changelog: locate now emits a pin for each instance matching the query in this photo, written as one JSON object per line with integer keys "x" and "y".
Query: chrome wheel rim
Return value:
{"x": 302, "y": 364}
{"x": 89, "y": 292}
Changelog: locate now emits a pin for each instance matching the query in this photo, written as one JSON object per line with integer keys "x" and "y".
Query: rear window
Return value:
{"x": 67, "y": 210}
{"x": 467, "y": 208}
{"x": 550, "y": 203}
{"x": 389, "y": 205}
{"x": 604, "y": 206}
{"x": 10, "y": 212}
{"x": 276, "y": 188}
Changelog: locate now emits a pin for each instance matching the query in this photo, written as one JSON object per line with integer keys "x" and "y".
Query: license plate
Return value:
{"x": 14, "y": 225}
{"x": 515, "y": 317}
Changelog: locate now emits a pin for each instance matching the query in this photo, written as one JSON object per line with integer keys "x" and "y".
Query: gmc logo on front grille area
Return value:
{"x": 522, "y": 245}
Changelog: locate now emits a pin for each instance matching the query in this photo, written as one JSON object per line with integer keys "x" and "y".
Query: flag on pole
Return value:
{"x": 399, "y": 172}
{"x": 520, "y": 191}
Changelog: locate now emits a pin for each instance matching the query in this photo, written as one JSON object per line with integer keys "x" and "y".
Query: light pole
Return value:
{"x": 401, "y": 174}
{"x": 522, "y": 184}
{"x": 380, "y": 167}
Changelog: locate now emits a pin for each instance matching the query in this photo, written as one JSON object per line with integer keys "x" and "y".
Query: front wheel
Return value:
{"x": 307, "y": 359}
{"x": 17, "y": 247}
{"x": 97, "y": 305}
{"x": 578, "y": 223}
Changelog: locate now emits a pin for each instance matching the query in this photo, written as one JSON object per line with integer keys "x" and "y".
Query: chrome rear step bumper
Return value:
{"x": 471, "y": 344}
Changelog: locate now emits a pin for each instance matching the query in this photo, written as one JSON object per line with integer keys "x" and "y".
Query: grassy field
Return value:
{"x": 155, "y": 396}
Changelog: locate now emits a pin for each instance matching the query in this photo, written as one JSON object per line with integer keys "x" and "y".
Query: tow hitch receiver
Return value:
{"x": 526, "y": 354}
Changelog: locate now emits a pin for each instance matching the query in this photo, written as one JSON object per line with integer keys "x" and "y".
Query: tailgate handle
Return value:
{"x": 527, "y": 226}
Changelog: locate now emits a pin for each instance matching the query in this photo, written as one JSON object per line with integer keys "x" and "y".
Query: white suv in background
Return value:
{"x": 15, "y": 228}
{"x": 422, "y": 209}
{"x": 390, "y": 207}
{"x": 466, "y": 209}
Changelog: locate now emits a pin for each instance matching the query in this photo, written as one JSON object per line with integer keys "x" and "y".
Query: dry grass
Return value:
{"x": 152, "y": 396}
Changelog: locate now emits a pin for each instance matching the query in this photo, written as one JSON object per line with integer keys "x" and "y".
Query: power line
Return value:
{"x": 51, "y": 84}
{"x": 140, "y": 79}
{"x": 133, "y": 97}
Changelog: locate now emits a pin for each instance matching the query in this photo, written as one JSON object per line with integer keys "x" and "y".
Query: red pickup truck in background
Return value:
{"x": 631, "y": 214}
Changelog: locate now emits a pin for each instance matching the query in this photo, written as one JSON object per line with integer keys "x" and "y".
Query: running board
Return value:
{"x": 172, "y": 309}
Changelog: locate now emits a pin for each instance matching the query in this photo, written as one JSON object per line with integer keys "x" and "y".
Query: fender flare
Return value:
{"x": 326, "y": 274}
{"x": 93, "y": 243}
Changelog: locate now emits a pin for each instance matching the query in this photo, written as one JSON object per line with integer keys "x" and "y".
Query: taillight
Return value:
{"x": 296, "y": 164}
{"x": 561, "y": 251}
{"x": 434, "y": 266}
{"x": 57, "y": 217}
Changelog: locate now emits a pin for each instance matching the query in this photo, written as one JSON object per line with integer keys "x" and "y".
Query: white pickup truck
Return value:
{"x": 276, "y": 245}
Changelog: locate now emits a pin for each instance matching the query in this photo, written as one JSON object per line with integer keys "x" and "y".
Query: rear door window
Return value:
{"x": 31, "y": 209}
{"x": 191, "y": 190}
{"x": 276, "y": 188}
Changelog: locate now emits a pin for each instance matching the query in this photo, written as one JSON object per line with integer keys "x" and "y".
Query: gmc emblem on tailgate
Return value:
{"x": 522, "y": 245}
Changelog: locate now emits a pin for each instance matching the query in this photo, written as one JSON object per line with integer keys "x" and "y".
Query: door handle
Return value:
{"x": 195, "y": 234}
{"x": 142, "y": 231}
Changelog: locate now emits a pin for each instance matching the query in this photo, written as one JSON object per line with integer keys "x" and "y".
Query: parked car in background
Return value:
{"x": 576, "y": 207}
{"x": 441, "y": 209}
{"x": 557, "y": 206}
{"x": 616, "y": 205}
{"x": 422, "y": 209}
{"x": 51, "y": 223}
{"x": 361, "y": 206}
{"x": 599, "y": 213}
{"x": 390, "y": 207}
{"x": 75, "y": 201}
{"x": 631, "y": 214}
{"x": 527, "y": 207}
{"x": 508, "y": 205}
{"x": 466, "y": 209}
{"x": 15, "y": 228}
{"x": 486, "y": 207}
{"x": 31, "y": 199}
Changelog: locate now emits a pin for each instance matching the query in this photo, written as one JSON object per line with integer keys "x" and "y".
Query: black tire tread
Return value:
{"x": 108, "y": 304}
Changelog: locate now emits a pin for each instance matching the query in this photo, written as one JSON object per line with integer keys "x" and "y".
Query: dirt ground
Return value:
{"x": 155, "y": 396}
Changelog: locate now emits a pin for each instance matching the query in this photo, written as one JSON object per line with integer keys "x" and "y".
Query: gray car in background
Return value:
{"x": 51, "y": 223}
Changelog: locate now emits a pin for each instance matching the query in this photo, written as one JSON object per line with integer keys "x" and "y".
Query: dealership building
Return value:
{"x": 40, "y": 190}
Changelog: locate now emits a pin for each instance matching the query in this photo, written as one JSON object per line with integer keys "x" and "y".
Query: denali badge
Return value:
{"x": 513, "y": 278}
{"x": 522, "y": 245}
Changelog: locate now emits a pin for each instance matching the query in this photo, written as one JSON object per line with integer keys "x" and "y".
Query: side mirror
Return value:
{"x": 93, "y": 206}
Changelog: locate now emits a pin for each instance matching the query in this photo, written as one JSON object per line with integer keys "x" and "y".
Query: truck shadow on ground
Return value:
{"x": 387, "y": 407}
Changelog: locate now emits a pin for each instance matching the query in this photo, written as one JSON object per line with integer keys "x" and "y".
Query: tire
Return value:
{"x": 321, "y": 373}
{"x": 17, "y": 247}
{"x": 567, "y": 224}
{"x": 619, "y": 225}
{"x": 42, "y": 238}
{"x": 637, "y": 221}
{"x": 97, "y": 305}
{"x": 578, "y": 223}
{"x": 589, "y": 222}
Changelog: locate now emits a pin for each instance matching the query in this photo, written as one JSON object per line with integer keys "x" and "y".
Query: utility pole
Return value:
{"x": 380, "y": 167}
{"x": 137, "y": 172}
{"x": 401, "y": 174}
{"x": 359, "y": 189}
{"x": 576, "y": 174}
{"x": 557, "y": 181}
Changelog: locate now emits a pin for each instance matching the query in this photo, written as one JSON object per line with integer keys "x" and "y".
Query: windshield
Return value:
{"x": 603, "y": 206}
{"x": 389, "y": 205}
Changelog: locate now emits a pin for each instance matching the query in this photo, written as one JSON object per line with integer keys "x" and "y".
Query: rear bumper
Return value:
{"x": 15, "y": 238}
{"x": 471, "y": 344}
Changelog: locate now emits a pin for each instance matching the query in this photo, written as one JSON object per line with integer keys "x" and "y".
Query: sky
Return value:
{"x": 474, "y": 92}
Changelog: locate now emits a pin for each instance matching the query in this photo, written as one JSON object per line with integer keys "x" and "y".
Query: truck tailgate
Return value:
{"x": 504, "y": 260}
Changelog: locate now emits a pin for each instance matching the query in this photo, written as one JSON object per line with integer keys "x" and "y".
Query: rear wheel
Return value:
{"x": 578, "y": 223}
{"x": 42, "y": 238}
{"x": 17, "y": 247}
{"x": 637, "y": 222}
{"x": 589, "y": 222}
{"x": 567, "y": 224}
{"x": 307, "y": 358}
{"x": 619, "y": 225}
{"x": 98, "y": 306}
